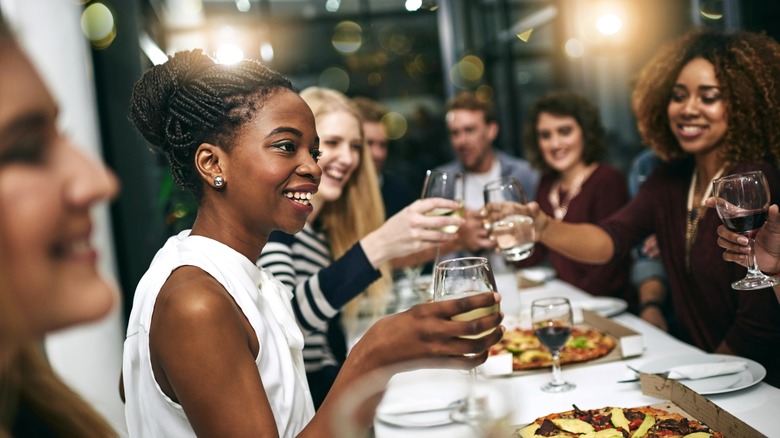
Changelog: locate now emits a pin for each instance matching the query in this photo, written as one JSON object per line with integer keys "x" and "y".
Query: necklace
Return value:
{"x": 561, "y": 206}
{"x": 694, "y": 214}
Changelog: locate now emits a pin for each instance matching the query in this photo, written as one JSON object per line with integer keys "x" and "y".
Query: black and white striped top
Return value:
{"x": 320, "y": 286}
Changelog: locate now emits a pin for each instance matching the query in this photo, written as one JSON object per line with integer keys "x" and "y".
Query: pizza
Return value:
{"x": 609, "y": 422}
{"x": 528, "y": 353}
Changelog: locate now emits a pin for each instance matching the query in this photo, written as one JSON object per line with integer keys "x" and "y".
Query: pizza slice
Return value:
{"x": 611, "y": 422}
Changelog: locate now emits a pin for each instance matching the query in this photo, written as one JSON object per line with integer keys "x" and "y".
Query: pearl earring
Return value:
{"x": 219, "y": 181}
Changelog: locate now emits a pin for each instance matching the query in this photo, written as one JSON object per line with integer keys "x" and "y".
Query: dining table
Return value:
{"x": 598, "y": 384}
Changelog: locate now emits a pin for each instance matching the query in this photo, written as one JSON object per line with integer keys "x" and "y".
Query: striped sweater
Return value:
{"x": 321, "y": 286}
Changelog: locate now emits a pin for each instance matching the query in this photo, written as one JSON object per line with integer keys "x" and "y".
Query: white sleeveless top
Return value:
{"x": 265, "y": 302}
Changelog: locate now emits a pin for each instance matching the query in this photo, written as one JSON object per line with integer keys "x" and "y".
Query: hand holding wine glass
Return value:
{"x": 742, "y": 203}
{"x": 458, "y": 278}
{"x": 552, "y": 322}
{"x": 447, "y": 185}
{"x": 512, "y": 231}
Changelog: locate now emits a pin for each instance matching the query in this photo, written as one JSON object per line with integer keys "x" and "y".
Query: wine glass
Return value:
{"x": 448, "y": 185}
{"x": 552, "y": 322}
{"x": 512, "y": 231}
{"x": 459, "y": 278}
{"x": 742, "y": 202}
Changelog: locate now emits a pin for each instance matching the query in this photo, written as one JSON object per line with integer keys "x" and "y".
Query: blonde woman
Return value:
{"x": 48, "y": 270}
{"x": 345, "y": 246}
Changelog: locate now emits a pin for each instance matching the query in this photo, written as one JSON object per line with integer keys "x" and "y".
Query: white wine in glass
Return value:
{"x": 512, "y": 230}
{"x": 459, "y": 278}
{"x": 742, "y": 202}
{"x": 447, "y": 185}
{"x": 552, "y": 322}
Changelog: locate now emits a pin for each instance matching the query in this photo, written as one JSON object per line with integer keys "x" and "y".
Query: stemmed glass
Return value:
{"x": 512, "y": 231}
{"x": 448, "y": 185}
{"x": 458, "y": 278}
{"x": 552, "y": 322}
{"x": 742, "y": 202}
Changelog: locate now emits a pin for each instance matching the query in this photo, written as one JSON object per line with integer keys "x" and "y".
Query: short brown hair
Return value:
{"x": 467, "y": 100}
{"x": 370, "y": 110}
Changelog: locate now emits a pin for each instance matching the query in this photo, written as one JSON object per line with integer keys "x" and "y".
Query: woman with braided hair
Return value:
{"x": 212, "y": 347}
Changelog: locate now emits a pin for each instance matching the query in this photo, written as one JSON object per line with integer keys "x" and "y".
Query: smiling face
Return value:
{"x": 341, "y": 145}
{"x": 560, "y": 141}
{"x": 47, "y": 188}
{"x": 271, "y": 171}
{"x": 472, "y": 138}
{"x": 697, "y": 111}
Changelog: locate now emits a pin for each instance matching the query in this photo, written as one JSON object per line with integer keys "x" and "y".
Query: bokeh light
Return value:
{"x": 347, "y": 37}
{"x": 98, "y": 25}
{"x": 396, "y": 125}
{"x": 229, "y": 54}
{"x": 574, "y": 48}
{"x": 609, "y": 24}
{"x": 712, "y": 9}
{"x": 332, "y": 5}
{"x": 393, "y": 39}
{"x": 485, "y": 93}
{"x": 374, "y": 79}
{"x": 266, "y": 52}
{"x": 243, "y": 5}
{"x": 336, "y": 78}
{"x": 413, "y": 5}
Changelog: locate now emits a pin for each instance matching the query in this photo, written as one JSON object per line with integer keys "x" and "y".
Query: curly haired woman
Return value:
{"x": 707, "y": 103}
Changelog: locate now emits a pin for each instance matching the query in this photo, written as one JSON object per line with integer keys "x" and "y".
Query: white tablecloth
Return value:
{"x": 597, "y": 384}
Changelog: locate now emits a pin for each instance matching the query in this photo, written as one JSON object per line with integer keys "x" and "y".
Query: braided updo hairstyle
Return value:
{"x": 191, "y": 99}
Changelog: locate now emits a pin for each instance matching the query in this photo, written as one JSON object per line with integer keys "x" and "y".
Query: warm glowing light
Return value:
{"x": 267, "y": 52}
{"x": 609, "y": 24}
{"x": 347, "y": 37}
{"x": 396, "y": 125}
{"x": 97, "y": 23}
{"x": 471, "y": 67}
{"x": 413, "y": 5}
{"x": 574, "y": 48}
{"x": 524, "y": 36}
{"x": 485, "y": 93}
{"x": 229, "y": 54}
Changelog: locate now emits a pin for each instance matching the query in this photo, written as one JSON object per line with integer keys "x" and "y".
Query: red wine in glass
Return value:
{"x": 742, "y": 202}
{"x": 552, "y": 320}
{"x": 747, "y": 222}
{"x": 554, "y": 336}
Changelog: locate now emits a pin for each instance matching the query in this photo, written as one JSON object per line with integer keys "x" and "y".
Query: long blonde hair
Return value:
{"x": 25, "y": 375}
{"x": 359, "y": 210}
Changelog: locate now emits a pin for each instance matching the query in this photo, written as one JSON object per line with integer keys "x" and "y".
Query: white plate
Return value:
{"x": 604, "y": 306}
{"x": 754, "y": 373}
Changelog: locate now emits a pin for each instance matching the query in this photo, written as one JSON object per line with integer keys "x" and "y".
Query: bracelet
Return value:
{"x": 651, "y": 303}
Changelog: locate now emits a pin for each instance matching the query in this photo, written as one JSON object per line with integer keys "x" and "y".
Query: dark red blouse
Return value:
{"x": 602, "y": 194}
{"x": 708, "y": 310}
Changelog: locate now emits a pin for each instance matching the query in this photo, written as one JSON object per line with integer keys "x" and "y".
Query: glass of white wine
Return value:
{"x": 447, "y": 185}
{"x": 459, "y": 278}
{"x": 512, "y": 230}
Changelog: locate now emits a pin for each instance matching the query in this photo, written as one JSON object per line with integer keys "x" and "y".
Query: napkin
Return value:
{"x": 704, "y": 370}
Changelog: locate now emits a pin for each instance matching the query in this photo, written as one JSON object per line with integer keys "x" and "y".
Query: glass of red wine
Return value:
{"x": 551, "y": 319}
{"x": 742, "y": 202}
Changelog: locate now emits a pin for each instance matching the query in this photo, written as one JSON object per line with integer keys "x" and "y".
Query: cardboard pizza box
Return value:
{"x": 687, "y": 402}
{"x": 629, "y": 344}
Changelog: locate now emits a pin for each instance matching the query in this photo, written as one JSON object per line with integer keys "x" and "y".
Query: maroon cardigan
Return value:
{"x": 602, "y": 194}
{"x": 708, "y": 310}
